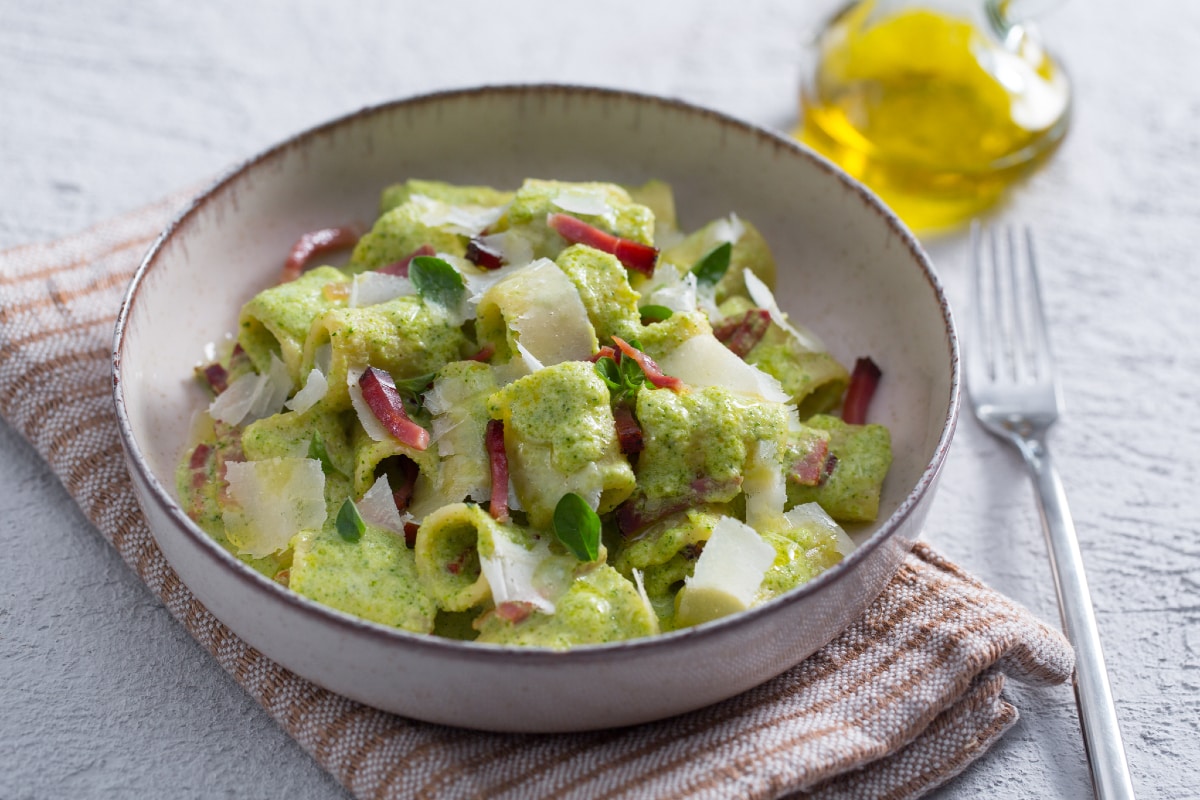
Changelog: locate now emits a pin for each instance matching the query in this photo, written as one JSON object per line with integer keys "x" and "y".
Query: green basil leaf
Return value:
{"x": 316, "y": 450}
{"x": 655, "y": 313}
{"x": 632, "y": 376}
{"x": 710, "y": 269}
{"x": 436, "y": 281}
{"x": 577, "y": 526}
{"x": 415, "y": 386}
{"x": 350, "y": 525}
{"x": 609, "y": 372}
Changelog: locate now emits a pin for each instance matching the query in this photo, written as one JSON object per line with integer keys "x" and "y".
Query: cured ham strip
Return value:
{"x": 498, "y": 460}
{"x": 741, "y": 335}
{"x": 634, "y": 255}
{"x": 379, "y": 392}
{"x": 651, "y": 370}
{"x": 314, "y": 243}
{"x": 486, "y": 352}
{"x": 400, "y": 267}
{"x": 604, "y": 352}
{"x": 629, "y": 433}
{"x": 864, "y": 380}
{"x": 483, "y": 255}
{"x": 814, "y": 467}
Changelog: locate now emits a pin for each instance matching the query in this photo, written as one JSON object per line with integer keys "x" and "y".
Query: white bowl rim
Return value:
{"x": 514, "y": 654}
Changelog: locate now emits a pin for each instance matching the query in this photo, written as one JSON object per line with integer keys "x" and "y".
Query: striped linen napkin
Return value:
{"x": 898, "y": 704}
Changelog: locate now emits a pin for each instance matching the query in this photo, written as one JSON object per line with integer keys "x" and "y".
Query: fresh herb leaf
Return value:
{"x": 436, "y": 281}
{"x": 415, "y": 386}
{"x": 609, "y": 372}
{"x": 577, "y": 526}
{"x": 316, "y": 450}
{"x": 350, "y": 525}
{"x": 623, "y": 377}
{"x": 710, "y": 269}
{"x": 655, "y": 313}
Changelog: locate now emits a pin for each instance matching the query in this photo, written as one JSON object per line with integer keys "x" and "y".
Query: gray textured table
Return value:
{"x": 108, "y": 105}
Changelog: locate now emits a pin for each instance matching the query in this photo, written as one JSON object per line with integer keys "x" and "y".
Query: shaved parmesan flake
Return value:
{"x": 516, "y": 249}
{"x": 366, "y": 416}
{"x": 762, "y": 296}
{"x": 314, "y": 389}
{"x": 378, "y": 507}
{"x": 811, "y": 514}
{"x": 531, "y": 361}
{"x": 272, "y": 501}
{"x": 467, "y": 220}
{"x": 372, "y": 288}
{"x": 440, "y": 428}
{"x": 232, "y": 405}
{"x": 275, "y": 392}
{"x": 479, "y": 282}
{"x": 510, "y": 569}
{"x": 703, "y": 361}
{"x": 765, "y": 486}
{"x": 728, "y": 229}
{"x": 516, "y": 368}
{"x": 640, "y": 582}
{"x": 583, "y": 200}
{"x": 673, "y": 288}
{"x": 727, "y": 574}
{"x": 252, "y": 397}
{"x": 542, "y": 306}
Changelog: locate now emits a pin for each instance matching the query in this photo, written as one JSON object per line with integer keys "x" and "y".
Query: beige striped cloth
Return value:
{"x": 898, "y": 704}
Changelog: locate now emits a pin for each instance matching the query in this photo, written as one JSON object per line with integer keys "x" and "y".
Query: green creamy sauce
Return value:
{"x": 565, "y": 408}
{"x": 612, "y": 305}
{"x": 659, "y": 503}
{"x": 703, "y": 435}
{"x": 864, "y": 455}
{"x": 374, "y": 578}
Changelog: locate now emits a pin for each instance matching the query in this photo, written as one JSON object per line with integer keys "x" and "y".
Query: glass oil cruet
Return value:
{"x": 937, "y": 105}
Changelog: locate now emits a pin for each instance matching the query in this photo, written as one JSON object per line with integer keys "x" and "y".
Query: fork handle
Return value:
{"x": 1097, "y": 714}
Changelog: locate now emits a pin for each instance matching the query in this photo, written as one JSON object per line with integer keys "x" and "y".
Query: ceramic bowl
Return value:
{"x": 848, "y": 269}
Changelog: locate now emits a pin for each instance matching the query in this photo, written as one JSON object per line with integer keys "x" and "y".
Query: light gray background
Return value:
{"x": 107, "y": 105}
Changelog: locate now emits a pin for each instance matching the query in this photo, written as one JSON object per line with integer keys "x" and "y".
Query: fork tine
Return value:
{"x": 1022, "y": 307}
{"x": 1009, "y": 342}
{"x": 1042, "y": 358}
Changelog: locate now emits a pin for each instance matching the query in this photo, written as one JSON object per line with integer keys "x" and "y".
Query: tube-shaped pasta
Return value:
{"x": 539, "y": 307}
{"x": 560, "y": 437}
{"x": 399, "y": 193}
{"x": 600, "y": 606}
{"x": 302, "y": 435}
{"x": 374, "y": 578}
{"x": 458, "y": 402}
{"x": 371, "y": 458}
{"x": 851, "y": 492}
{"x": 447, "y": 555}
{"x": 403, "y": 336}
{"x": 603, "y": 286}
{"x": 666, "y": 554}
{"x": 277, "y": 320}
{"x": 696, "y": 444}
{"x": 604, "y": 205}
{"x": 398, "y": 233}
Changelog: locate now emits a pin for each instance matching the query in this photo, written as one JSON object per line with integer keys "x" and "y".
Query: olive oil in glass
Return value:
{"x": 937, "y": 105}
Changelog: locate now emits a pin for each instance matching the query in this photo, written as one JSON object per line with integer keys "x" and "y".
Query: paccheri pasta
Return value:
{"x": 543, "y": 417}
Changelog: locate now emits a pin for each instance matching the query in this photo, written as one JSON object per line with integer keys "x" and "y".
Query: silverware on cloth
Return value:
{"x": 1016, "y": 396}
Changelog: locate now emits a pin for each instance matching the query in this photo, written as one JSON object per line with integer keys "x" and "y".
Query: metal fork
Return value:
{"x": 1012, "y": 386}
